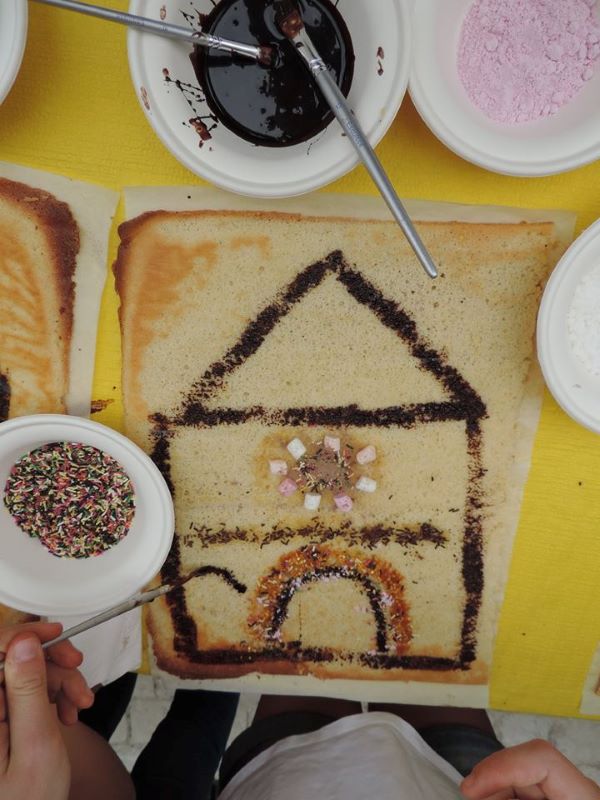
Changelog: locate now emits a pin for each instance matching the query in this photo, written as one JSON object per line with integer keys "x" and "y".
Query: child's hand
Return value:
{"x": 66, "y": 686}
{"x": 33, "y": 759}
{"x": 531, "y": 771}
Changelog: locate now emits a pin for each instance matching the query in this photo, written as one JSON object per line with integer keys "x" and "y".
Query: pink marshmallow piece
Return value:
{"x": 366, "y": 455}
{"x": 343, "y": 502}
{"x": 287, "y": 487}
{"x": 332, "y": 443}
{"x": 278, "y": 466}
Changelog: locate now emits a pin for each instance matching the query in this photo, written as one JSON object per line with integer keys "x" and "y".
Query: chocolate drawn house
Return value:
{"x": 416, "y": 581}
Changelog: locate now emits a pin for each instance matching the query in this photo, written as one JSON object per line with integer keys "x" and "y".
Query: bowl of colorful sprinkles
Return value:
{"x": 510, "y": 85}
{"x": 86, "y": 518}
{"x": 75, "y": 499}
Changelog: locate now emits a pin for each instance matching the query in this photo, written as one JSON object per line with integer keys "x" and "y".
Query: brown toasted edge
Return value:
{"x": 128, "y": 229}
{"x": 172, "y": 663}
{"x": 62, "y": 231}
{"x": 181, "y": 668}
{"x": 127, "y": 232}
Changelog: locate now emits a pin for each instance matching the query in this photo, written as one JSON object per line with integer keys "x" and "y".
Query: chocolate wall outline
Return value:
{"x": 4, "y": 397}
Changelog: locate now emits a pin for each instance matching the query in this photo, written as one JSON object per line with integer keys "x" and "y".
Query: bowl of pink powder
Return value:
{"x": 510, "y": 85}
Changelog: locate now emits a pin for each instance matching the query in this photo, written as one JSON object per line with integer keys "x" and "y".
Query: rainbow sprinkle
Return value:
{"x": 77, "y": 500}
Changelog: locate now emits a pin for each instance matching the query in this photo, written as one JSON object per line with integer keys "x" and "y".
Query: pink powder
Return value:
{"x": 520, "y": 60}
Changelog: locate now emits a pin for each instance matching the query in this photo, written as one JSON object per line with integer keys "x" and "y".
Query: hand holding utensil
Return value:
{"x": 139, "y": 599}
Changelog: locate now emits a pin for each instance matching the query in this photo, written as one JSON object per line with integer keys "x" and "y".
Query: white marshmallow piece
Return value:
{"x": 364, "y": 484}
{"x": 278, "y": 466}
{"x": 312, "y": 501}
{"x": 343, "y": 502}
{"x": 366, "y": 455}
{"x": 332, "y": 443}
{"x": 296, "y": 448}
{"x": 287, "y": 487}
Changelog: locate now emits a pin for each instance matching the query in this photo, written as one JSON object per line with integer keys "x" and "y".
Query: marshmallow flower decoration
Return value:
{"x": 324, "y": 466}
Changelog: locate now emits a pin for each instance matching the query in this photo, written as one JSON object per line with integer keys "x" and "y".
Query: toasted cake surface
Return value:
{"x": 39, "y": 241}
{"x": 244, "y": 330}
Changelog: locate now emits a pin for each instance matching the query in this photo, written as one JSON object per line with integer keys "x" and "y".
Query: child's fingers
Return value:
{"x": 532, "y": 771}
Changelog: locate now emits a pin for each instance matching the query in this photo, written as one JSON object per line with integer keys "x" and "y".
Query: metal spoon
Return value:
{"x": 257, "y": 53}
{"x": 139, "y": 599}
{"x": 291, "y": 25}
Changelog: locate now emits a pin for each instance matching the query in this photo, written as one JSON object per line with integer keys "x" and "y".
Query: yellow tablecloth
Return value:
{"x": 73, "y": 111}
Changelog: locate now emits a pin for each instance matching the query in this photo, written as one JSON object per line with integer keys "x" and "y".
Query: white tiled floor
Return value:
{"x": 578, "y": 739}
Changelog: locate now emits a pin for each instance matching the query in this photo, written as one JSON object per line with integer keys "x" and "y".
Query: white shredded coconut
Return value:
{"x": 583, "y": 322}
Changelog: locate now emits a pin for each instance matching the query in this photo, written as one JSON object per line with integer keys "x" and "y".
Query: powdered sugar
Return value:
{"x": 583, "y": 322}
{"x": 520, "y": 60}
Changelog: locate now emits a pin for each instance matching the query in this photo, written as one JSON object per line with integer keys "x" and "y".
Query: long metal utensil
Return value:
{"x": 257, "y": 53}
{"x": 139, "y": 599}
{"x": 291, "y": 24}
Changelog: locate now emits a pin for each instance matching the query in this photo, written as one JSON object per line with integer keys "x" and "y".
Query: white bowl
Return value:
{"x": 554, "y": 144}
{"x": 239, "y": 166}
{"x": 13, "y": 35}
{"x": 574, "y": 388}
{"x": 33, "y": 580}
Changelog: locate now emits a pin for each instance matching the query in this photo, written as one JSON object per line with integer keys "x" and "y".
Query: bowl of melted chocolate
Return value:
{"x": 277, "y": 105}
{"x": 265, "y": 130}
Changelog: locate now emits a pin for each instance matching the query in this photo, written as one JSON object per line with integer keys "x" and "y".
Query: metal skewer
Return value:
{"x": 291, "y": 24}
{"x": 139, "y": 599}
{"x": 257, "y": 53}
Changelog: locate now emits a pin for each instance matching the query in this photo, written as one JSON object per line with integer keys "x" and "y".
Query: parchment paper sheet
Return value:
{"x": 590, "y": 700}
{"x": 93, "y": 208}
{"x": 140, "y": 200}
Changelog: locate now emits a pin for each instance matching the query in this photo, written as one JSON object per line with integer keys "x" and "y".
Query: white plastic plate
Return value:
{"x": 33, "y": 580}
{"x": 575, "y": 389}
{"x": 554, "y": 144}
{"x": 13, "y": 35}
{"x": 239, "y": 166}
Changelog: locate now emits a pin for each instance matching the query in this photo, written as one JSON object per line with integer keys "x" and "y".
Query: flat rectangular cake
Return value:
{"x": 39, "y": 242}
{"x": 344, "y": 437}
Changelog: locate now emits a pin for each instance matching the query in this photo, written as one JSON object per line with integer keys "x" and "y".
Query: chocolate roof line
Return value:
{"x": 465, "y": 402}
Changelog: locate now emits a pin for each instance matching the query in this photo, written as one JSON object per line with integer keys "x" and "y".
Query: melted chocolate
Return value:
{"x": 373, "y": 596}
{"x": 369, "y": 537}
{"x": 99, "y": 405}
{"x": 279, "y": 105}
{"x": 465, "y": 404}
{"x": 185, "y": 627}
{"x": 4, "y": 397}
{"x": 160, "y": 453}
{"x": 225, "y": 574}
{"x": 472, "y": 566}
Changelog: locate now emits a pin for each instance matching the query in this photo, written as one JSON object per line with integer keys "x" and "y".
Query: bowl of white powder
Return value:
{"x": 568, "y": 330}
{"x": 510, "y": 85}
